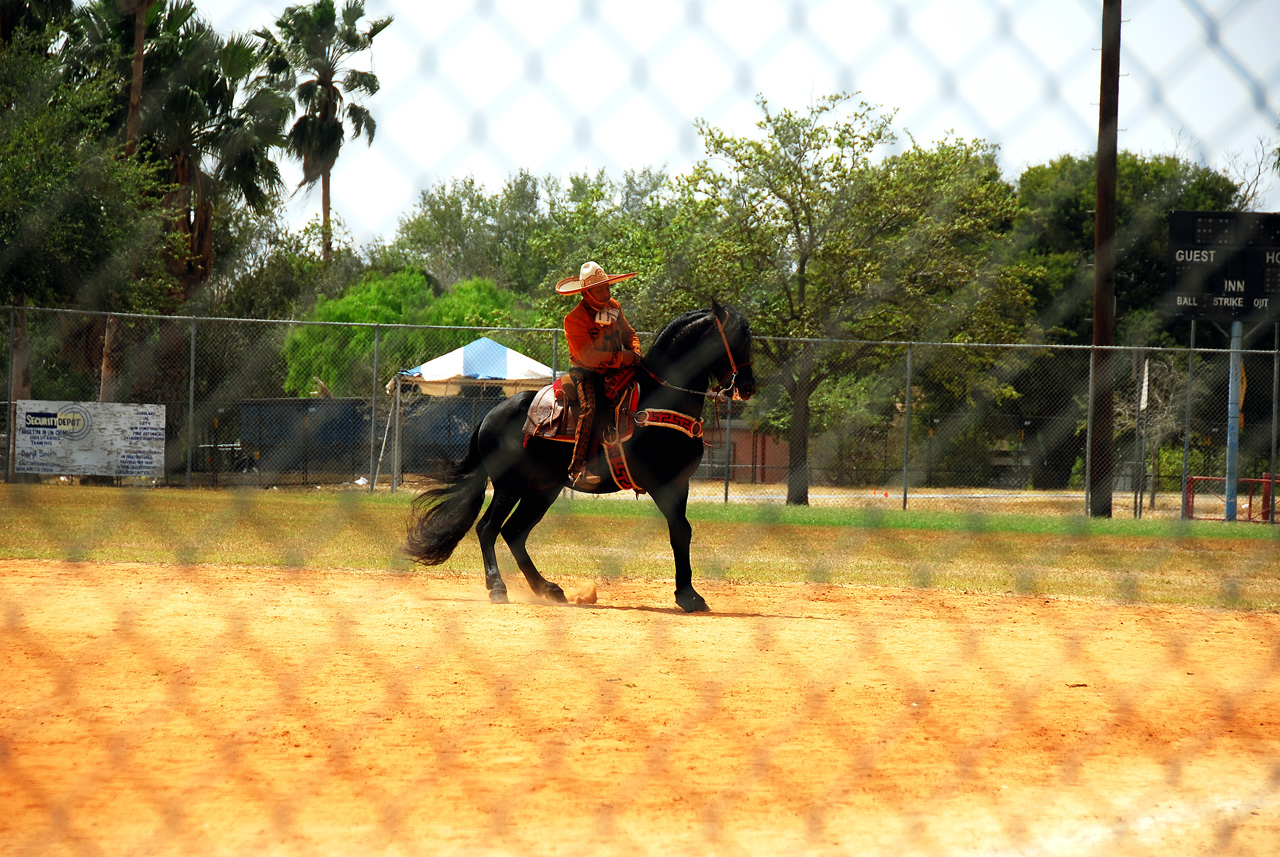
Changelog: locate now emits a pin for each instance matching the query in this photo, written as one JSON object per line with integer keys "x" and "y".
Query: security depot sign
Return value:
{"x": 89, "y": 438}
{"x": 1224, "y": 265}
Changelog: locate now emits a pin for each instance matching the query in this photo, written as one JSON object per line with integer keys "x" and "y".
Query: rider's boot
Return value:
{"x": 579, "y": 476}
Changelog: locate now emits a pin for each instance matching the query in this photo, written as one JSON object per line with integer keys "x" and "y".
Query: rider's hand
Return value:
{"x": 630, "y": 358}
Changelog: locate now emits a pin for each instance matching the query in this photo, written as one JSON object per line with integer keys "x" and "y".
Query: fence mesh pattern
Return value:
{"x": 1196, "y": 75}
{"x": 261, "y": 670}
{"x": 941, "y": 655}
{"x": 243, "y": 408}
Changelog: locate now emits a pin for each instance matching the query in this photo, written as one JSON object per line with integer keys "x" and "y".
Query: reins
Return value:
{"x": 718, "y": 395}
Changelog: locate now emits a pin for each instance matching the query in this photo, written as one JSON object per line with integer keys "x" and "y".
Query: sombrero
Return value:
{"x": 591, "y": 275}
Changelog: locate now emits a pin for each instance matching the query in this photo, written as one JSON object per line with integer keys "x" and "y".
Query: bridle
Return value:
{"x": 727, "y": 382}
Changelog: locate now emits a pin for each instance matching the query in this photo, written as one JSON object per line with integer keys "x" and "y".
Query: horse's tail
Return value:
{"x": 441, "y": 516}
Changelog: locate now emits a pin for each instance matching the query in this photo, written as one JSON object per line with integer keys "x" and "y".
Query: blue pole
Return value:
{"x": 1233, "y": 419}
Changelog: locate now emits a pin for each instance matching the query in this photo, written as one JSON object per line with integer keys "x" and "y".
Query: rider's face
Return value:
{"x": 597, "y": 296}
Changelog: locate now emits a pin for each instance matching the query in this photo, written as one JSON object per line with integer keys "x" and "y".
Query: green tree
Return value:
{"x": 531, "y": 233}
{"x": 207, "y": 114}
{"x": 271, "y": 272}
{"x": 315, "y": 44}
{"x": 592, "y": 217}
{"x": 451, "y": 234}
{"x": 77, "y": 221}
{"x": 31, "y": 16}
{"x": 813, "y": 238}
{"x": 1055, "y": 232}
{"x": 265, "y": 271}
{"x": 458, "y": 231}
{"x": 200, "y": 107}
{"x": 1054, "y": 238}
{"x": 342, "y": 357}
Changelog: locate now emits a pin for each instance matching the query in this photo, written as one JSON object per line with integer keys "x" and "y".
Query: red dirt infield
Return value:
{"x": 154, "y": 709}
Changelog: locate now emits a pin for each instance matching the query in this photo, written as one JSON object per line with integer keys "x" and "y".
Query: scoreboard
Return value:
{"x": 1224, "y": 265}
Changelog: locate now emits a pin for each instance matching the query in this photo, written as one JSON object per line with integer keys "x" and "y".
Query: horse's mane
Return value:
{"x": 669, "y": 338}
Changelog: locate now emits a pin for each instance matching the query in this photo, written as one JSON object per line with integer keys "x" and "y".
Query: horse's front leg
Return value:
{"x": 673, "y": 503}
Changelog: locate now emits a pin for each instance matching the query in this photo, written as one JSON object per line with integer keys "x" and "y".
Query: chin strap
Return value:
{"x": 732, "y": 378}
{"x": 732, "y": 383}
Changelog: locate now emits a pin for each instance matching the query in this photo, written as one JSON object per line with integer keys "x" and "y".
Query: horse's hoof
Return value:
{"x": 690, "y": 601}
{"x": 499, "y": 596}
{"x": 553, "y": 592}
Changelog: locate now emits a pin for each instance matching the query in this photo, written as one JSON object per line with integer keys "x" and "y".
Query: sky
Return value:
{"x": 485, "y": 88}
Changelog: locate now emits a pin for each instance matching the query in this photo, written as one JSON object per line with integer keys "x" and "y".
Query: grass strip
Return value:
{"x": 1199, "y": 563}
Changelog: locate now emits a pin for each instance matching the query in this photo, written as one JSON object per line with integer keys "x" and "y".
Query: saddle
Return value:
{"x": 553, "y": 414}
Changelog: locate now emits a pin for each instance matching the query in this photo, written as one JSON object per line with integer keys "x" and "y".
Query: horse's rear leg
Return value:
{"x": 490, "y": 525}
{"x": 516, "y": 531}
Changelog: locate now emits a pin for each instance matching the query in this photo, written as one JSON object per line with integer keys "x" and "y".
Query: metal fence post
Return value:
{"x": 191, "y": 400}
{"x": 395, "y": 442}
{"x": 1088, "y": 435}
{"x": 1275, "y": 417}
{"x": 728, "y": 447}
{"x": 11, "y": 407}
{"x": 1233, "y": 420}
{"x": 373, "y": 409}
{"x": 906, "y": 435}
{"x": 1186, "y": 429}
{"x": 1139, "y": 440}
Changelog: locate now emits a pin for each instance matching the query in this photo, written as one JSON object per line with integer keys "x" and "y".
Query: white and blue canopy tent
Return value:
{"x": 482, "y": 364}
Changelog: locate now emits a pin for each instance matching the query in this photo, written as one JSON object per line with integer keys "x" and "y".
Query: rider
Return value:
{"x": 601, "y": 342}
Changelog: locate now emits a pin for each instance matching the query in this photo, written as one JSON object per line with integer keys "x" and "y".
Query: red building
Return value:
{"x": 754, "y": 457}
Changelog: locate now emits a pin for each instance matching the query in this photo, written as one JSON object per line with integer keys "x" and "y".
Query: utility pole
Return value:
{"x": 1102, "y": 404}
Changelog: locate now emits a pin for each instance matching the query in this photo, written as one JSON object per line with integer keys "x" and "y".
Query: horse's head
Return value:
{"x": 738, "y": 378}
{"x": 700, "y": 347}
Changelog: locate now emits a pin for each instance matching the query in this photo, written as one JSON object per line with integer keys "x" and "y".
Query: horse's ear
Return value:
{"x": 718, "y": 311}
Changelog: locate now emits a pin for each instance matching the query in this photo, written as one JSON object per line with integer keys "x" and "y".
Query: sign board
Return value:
{"x": 1224, "y": 265}
{"x": 89, "y": 438}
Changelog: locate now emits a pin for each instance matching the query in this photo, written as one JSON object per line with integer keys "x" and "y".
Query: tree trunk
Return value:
{"x": 798, "y": 454}
{"x": 169, "y": 387}
{"x": 133, "y": 128}
{"x": 20, "y": 374}
{"x": 109, "y": 382}
{"x": 112, "y": 360}
{"x": 191, "y": 261}
{"x": 21, "y": 367}
{"x": 326, "y": 230}
{"x": 798, "y": 435}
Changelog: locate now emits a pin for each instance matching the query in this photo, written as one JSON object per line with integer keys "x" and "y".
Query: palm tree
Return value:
{"x": 201, "y": 108}
{"x": 314, "y": 44}
{"x": 139, "y": 10}
{"x": 31, "y": 16}
{"x": 206, "y": 109}
{"x": 216, "y": 124}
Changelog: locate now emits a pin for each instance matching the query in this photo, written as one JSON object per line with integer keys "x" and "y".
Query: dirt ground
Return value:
{"x": 167, "y": 710}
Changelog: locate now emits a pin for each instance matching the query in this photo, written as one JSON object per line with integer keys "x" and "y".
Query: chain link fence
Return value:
{"x": 259, "y": 671}
{"x": 940, "y": 655}
{"x": 912, "y": 423}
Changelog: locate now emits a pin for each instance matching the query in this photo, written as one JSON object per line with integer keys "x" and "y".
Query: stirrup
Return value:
{"x": 584, "y": 479}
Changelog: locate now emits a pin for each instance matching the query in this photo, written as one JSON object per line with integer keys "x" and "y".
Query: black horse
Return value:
{"x": 529, "y": 472}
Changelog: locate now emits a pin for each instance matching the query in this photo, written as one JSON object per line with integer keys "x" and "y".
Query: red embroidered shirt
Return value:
{"x": 596, "y": 346}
